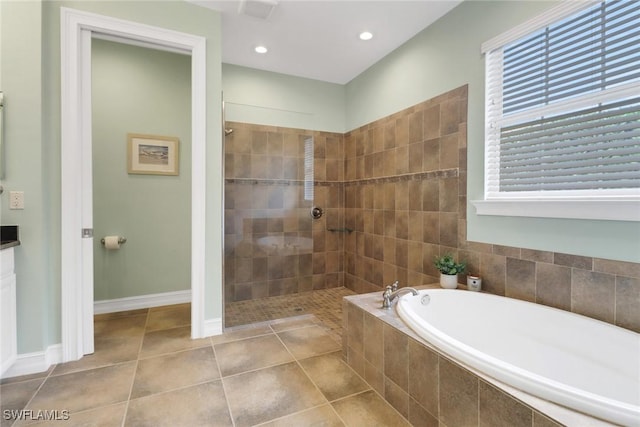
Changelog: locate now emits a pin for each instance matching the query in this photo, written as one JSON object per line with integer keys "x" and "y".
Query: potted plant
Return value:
{"x": 449, "y": 270}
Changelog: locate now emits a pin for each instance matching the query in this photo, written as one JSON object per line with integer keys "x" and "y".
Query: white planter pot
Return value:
{"x": 449, "y": 281}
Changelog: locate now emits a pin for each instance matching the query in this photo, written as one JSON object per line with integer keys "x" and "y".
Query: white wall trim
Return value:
{"x": 76, "y": 188}
{"x": 546, "y": 18}
{"x": 141, "y": 301}
{"x": 40, "y": 361}
{"x": 607, "y": 210}
{"x": 213, "y": 327}
{"x": 32, "y": 363}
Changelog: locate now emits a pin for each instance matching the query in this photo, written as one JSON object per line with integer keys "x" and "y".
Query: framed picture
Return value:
{"x": 153, "y": 155}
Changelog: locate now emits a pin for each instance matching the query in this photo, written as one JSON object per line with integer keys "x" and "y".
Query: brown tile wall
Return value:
{"x": 272, "y": 246}
{"x": 405, "y": 195}
{"x": 399, "y": 182}
{"x": 425, "y": 387}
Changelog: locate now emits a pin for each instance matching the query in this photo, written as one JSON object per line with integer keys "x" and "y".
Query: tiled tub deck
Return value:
{"x": 430, "y": 389}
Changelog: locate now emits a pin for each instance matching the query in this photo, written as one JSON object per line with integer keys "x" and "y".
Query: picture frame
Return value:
{"x": 153, "y": 154}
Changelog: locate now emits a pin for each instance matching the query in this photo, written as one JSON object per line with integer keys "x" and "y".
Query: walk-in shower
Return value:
{"x": 274, "y": 178}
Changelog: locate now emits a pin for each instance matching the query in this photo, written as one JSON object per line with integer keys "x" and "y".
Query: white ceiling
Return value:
{"x": 318, "y": 39}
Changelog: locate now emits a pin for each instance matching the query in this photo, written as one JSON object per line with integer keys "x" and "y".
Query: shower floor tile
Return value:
{"x": 325, "y": 304}
{"x": 148, "y": 372}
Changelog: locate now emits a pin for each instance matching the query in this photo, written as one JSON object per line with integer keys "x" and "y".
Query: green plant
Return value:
{"x": 446, "y": 264}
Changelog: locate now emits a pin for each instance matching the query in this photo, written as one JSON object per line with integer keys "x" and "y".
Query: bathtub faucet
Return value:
{"x": 392, "y": 292}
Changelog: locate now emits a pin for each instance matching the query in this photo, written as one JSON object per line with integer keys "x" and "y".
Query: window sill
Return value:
{"x": 608, "y": 210}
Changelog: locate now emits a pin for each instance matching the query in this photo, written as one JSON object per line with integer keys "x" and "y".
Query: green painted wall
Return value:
{"x": 26, "y": 168}
{"x": 261, "y": 97}
{"x": 30, "y": 50}
{"x": 445, "y": 56}
{"x": 442, "y": 57}
{"x": 145, "y": 91}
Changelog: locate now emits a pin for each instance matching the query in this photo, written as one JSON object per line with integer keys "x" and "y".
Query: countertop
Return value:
{"x": 9, "y": 236}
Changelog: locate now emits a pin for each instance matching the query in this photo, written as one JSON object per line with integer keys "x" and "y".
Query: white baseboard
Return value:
{"x": 142, "y": 301}
{"x": 32, "y": 363}
{"x": 40, "y": 361}
{"x": 212, "y": 327}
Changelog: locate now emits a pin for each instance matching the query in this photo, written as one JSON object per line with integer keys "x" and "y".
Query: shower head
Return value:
{"x": 227, "y": 131}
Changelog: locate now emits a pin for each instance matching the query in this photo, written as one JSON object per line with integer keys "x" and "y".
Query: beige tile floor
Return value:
{"x": 325, "y": 304}
{"x": 146, "y": 371}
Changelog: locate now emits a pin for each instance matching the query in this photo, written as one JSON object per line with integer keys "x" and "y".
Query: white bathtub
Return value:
{"x": 575, "y": 361}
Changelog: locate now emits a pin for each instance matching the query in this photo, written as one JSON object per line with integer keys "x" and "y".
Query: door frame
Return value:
{"x": 76, "y": 30}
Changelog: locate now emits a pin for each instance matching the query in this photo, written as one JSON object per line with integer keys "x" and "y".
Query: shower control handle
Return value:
{"x": 316, "y": 212}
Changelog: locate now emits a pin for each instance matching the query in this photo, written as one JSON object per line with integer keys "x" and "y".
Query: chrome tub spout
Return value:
{"x": 389, "y": 295}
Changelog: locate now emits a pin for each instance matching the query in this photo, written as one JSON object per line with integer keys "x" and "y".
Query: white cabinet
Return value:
{"x": 8, "y": 332}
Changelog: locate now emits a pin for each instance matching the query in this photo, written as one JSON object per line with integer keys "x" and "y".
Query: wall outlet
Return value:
{"x": 16, "y": 199}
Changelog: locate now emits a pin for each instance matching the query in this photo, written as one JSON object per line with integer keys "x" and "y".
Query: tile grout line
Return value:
{"x": 51, "y": 375}
{"x": 222, "y": 383}
{"x": 326, "y": 401}
{"x": 312, "y": 307}
{"x": 46, "y": 377}
{"x": 135, "y": 371}
{"x": 373, "y": 388}
{"x": 273, "y": 332}
{"x": 314, "y": 302}
{"x": 300, "y": 412}
{"x": 384, "y": 377}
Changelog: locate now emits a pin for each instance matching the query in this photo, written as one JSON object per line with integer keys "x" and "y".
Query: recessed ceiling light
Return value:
{"x": 366, "y": 35}
{"x": 261, "y": 49}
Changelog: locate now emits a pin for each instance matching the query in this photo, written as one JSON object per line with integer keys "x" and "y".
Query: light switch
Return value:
{"x": 16, "y": 199}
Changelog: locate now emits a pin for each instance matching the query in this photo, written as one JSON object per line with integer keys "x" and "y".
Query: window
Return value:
{"x": 562, "y": 128}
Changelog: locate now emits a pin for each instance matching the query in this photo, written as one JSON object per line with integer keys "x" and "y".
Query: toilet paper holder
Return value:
{"x": 121, "y": 240}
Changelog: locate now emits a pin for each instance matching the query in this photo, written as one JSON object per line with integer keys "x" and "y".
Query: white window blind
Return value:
{"x": 563, "y": 106}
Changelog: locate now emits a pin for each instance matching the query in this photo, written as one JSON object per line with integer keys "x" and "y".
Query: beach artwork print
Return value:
{"x": 152, "y": 154}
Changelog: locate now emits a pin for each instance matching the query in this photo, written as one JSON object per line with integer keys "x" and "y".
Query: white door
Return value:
{"x": 77, "y": 28}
